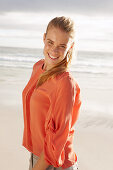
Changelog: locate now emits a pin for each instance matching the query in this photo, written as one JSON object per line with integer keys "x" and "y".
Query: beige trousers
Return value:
{"x": 33, "y": 159}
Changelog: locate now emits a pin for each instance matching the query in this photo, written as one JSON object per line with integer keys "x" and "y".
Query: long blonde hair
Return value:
{"x": 66, "y": 25}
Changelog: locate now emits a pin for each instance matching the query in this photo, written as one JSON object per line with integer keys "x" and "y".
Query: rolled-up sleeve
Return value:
{"x": 59, "y": 122}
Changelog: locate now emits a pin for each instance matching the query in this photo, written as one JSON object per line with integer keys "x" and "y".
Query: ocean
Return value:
{"x": 90, "y": 62}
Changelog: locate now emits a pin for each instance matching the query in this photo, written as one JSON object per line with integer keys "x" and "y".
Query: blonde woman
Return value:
{"x": 51, "y": 102}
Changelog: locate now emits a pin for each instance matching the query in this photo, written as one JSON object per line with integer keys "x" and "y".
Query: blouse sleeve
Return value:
{"x": 59, "y": 123}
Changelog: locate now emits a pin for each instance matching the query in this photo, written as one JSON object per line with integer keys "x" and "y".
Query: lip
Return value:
{"x": 52, "y": 58}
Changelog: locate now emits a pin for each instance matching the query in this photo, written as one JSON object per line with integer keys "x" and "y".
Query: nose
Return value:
{"x": 54, "y": 49}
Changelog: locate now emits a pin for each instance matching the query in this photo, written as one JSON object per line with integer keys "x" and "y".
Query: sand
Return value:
{"x": 93, "y": 141}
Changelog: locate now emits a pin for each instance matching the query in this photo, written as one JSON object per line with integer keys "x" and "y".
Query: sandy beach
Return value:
{"x": 93, "y": 141}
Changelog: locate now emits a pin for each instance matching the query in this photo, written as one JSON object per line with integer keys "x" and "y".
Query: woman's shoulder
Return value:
{"x": 38, "y": 64}
{"x": 36, "y": 67}
{"x": 67, "y": 79}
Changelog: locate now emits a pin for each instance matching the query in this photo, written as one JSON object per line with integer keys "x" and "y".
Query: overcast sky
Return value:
{"x": 83, "y": 7}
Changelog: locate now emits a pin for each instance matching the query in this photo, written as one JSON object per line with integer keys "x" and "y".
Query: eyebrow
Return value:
{"x": 53, "y": 41}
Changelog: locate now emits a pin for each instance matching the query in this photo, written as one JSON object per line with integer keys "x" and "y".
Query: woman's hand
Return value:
{"x": 41, "y": 163}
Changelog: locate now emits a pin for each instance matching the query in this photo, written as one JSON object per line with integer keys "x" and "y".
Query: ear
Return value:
{"x": 44, "y": 37}
{"x": 71, "y": 46}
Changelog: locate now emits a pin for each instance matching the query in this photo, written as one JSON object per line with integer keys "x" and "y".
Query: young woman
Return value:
{"x": 51, "y": 102}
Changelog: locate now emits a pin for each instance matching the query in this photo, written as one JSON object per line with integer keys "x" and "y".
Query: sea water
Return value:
{"x": 93, "y": 71}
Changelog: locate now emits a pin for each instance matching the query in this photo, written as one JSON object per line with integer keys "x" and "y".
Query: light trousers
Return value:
{"x": 33, "y": 159}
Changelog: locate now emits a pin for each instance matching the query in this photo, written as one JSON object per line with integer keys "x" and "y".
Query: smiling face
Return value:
{"x": 56, "y": 45}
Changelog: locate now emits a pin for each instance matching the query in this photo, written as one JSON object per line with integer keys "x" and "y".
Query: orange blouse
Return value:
{"x": 50, "y": 112}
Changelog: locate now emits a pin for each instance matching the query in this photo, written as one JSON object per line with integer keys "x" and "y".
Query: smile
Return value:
{"x": 53, "y": 58}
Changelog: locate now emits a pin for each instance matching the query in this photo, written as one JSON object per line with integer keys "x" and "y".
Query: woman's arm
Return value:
{"x": 41, "y": 163}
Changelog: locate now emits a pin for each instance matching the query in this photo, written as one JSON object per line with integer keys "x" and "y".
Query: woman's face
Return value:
{"x": 56, "y": 45}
